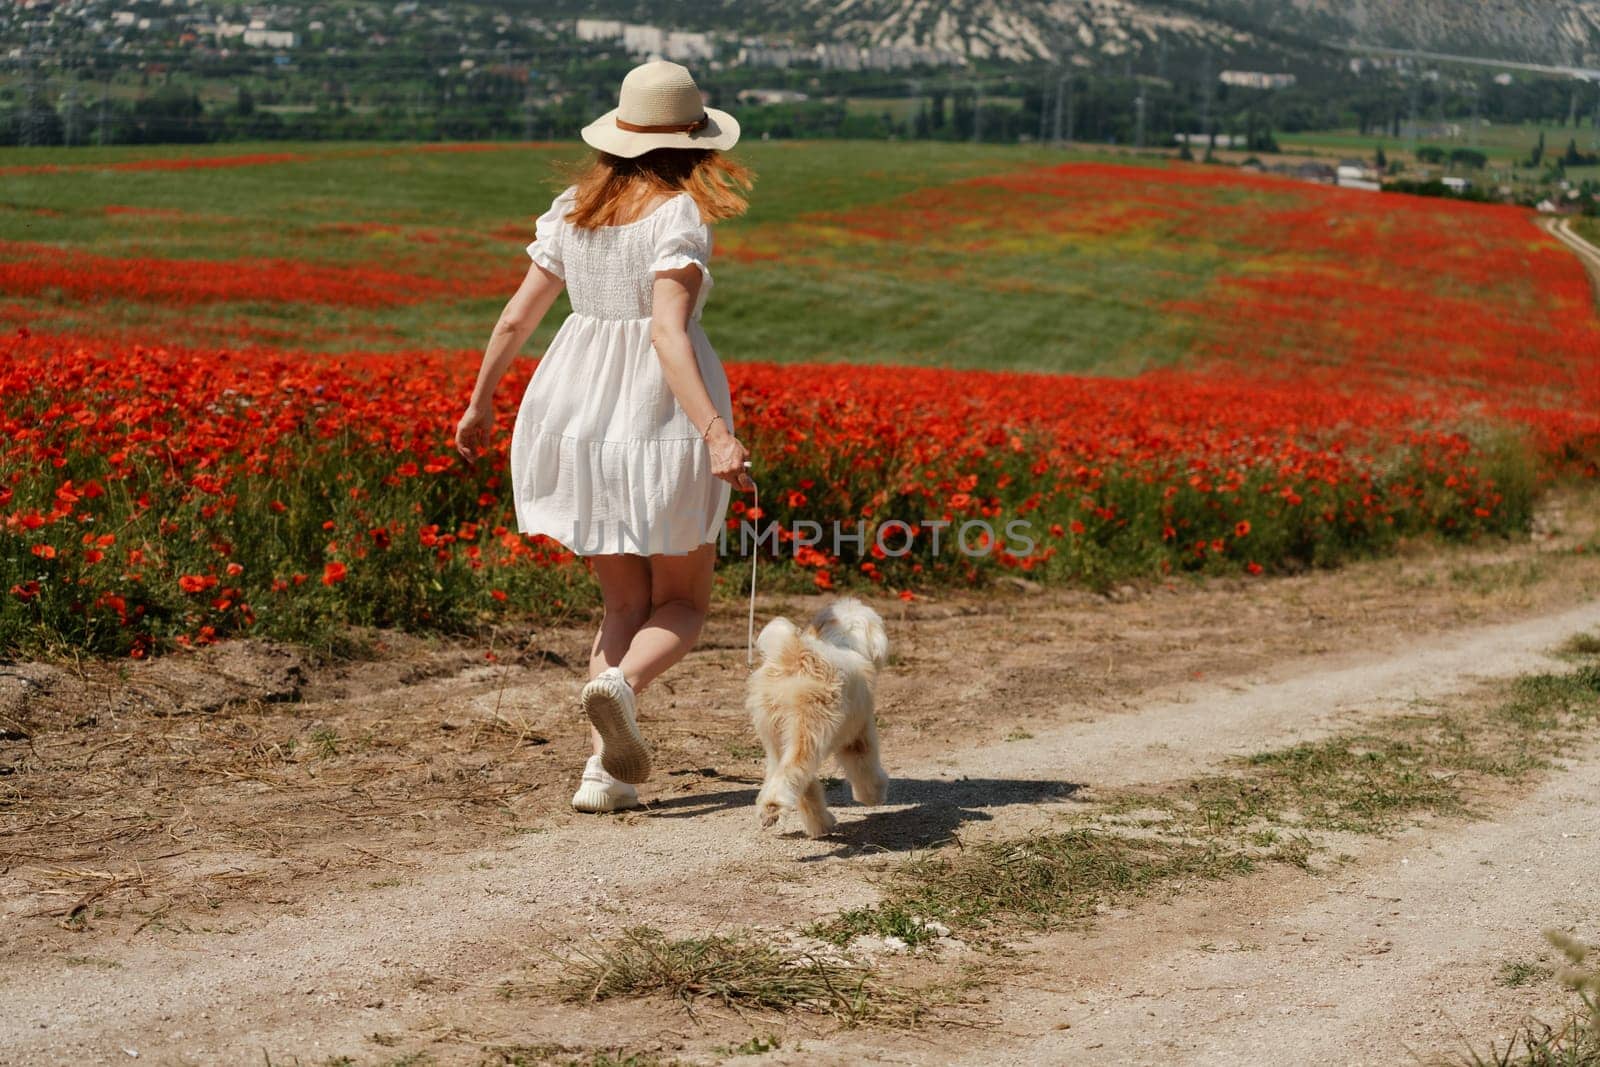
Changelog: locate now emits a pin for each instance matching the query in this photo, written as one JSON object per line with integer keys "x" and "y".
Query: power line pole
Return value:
{"x": 1063, "y": 87}
{"x": 70, "y": 131}
{"x": 1205, "y": 99}
{"x": 1416, "y": 133}
{"x": 105, "y": 93}
{"x": 1138, "y": 108}
{"x": 527, "y": 104}
{"x": 32, "y": 131}
{"x": 977, "y": 111}
{"x": 1044, "y": 109}
{"x": 1072, "y": 113}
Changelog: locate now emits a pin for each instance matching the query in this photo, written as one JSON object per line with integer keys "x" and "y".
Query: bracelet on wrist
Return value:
{"x": 707, "y": 431}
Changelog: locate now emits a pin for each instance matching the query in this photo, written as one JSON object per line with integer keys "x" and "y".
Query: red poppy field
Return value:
{"x": 223, "y": 418}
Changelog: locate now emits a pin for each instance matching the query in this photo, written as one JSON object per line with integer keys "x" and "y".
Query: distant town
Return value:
{"x": 59, "y": 27}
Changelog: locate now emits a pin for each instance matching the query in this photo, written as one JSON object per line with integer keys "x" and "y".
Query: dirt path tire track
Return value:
{"x": 321, "y": 978}
{"x": 1416, "y": 939}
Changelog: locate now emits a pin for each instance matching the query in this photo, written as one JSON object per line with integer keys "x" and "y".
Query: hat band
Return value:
{"x": 682, "y": 127}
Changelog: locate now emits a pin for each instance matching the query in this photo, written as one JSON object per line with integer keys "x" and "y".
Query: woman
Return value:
{"x": 623, "y": 448}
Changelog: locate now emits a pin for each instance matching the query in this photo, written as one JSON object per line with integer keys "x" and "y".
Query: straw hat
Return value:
{"x": 660, "y": 107}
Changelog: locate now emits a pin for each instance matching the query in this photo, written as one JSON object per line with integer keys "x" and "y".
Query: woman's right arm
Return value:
{"x": 673, "y": 301}
{"x": 522, "y": 315}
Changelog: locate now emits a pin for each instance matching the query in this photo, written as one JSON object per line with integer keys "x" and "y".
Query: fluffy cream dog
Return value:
{"x": 812, "y": 697}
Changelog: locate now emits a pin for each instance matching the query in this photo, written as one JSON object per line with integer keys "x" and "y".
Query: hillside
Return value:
{"x": 1539, "y": 30}
{"x": 1027, "y": 30}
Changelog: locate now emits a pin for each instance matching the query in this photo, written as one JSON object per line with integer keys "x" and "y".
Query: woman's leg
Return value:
{"x": 680, "y": 592}
{"x": 625, "y": 592}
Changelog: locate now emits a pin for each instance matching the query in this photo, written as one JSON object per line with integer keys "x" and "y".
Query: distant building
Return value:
{"x": 1346, "y": 176}
{"x": 685, "y": 47}
{"x": 1200, "y": 140}
{"x": 780, "y": 57}
{"x": 771, "y": 96}
{"x": 1255, "y": 79}
{"x": 644, "y": 40}
{"x": 599, "y": 29}
{"x": 1454, "y": 184}
{"x": 260, "y": 38}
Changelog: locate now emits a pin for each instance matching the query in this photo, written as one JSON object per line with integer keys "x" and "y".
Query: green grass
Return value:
{"x": 562, "y": 1056}
{"x": 757, "y": 1045}
{"x": 1503, "y": 144}
{"x": 484, "y": 203}
{"x": 1582, "y": 645}
{"x": 1037, "y": 881}
{"x": 1514, "y": 974}
{"x": 1091, "y": 308}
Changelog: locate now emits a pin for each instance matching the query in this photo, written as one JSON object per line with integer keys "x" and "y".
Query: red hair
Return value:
{"x": 612, "y": 186}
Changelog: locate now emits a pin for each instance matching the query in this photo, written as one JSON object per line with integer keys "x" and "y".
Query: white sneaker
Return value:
{"x": 608, "y": 701}
{"x": 598, "y": 791}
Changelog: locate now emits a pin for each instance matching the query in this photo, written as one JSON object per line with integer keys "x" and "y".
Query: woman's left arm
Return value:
{"x": 522, "y": 315}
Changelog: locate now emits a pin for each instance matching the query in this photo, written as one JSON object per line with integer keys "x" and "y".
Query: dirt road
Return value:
{"x": 1561, "y": 230}
{"x": 350, "y": 860}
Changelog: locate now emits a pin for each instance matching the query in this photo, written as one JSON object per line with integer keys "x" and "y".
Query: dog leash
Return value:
{"x": 750, "y": 636}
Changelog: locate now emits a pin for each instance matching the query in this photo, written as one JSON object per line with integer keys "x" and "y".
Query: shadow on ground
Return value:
{"x": 922, "y": 812}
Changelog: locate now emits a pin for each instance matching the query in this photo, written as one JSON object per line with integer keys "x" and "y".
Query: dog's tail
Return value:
{"x": 779, "y": 641}
{"x": 784, "y": 650}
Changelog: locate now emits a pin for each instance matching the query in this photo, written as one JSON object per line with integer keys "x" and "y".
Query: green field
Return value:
{"x": 1504, "y": 145}
{"x": 440, "y": 213}
{"x": 794, "y": 279}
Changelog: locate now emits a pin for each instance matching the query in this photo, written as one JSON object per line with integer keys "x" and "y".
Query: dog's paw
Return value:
{"x": 768, "y": 814}
{"x": 872, "y": 793}
{"x": 821, "y": 826}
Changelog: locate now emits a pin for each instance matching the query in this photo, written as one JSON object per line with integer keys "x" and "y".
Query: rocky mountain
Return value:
{"x": 1546, "y": 31}
{"x": 1549, "y": 31}
{"x": 1022, "y": 30}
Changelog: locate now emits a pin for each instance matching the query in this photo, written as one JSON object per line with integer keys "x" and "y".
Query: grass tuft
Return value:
{"x": 1582, "y": 645}
{"x": 736, "y": 971}
{"x": 891, "y": 920}
{"x": 1038, "y": 880}
{"x": 1572, "y": 1044}
{"x": 1514, "y": 974}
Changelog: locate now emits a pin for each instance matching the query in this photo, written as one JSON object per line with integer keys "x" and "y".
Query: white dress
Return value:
{"x": 603, "y": 458}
